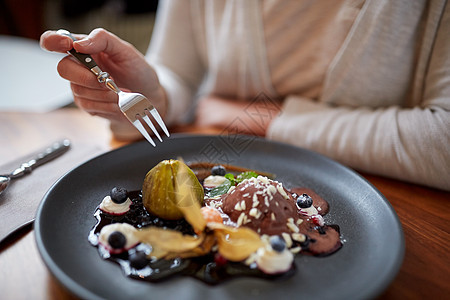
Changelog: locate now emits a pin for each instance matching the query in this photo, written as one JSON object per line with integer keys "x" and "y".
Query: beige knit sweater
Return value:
{"x": 382, "y": 104}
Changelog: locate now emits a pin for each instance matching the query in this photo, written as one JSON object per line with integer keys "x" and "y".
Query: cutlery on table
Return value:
{"x": 136, "y": 107}
{"x": 47, "y": 155}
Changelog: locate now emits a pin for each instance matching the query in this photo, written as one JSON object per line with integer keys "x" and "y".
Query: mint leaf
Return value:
{"x": 230, "y": 177}
{"x": 245, "y": 175}
{"x": 221, "y": 189}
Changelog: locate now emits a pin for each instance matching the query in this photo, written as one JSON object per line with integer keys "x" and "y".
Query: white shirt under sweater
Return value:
{"x": 381, "y": 104}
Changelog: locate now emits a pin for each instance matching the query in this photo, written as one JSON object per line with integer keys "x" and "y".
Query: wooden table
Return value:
{"x": 423, "y": 212}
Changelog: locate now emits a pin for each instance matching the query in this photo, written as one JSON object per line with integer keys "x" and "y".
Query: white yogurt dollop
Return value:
{"x": 272, "y": 262}
{"x": 213, "y": 181}
{"x": 126, "y": 229}
{"x": 110, "y": 207}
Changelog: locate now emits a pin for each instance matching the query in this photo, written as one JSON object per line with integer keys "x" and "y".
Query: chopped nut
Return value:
{"x": 299, "y": 237}
{"x": 292, "y": 227}
{"x": 272, "y": 216}
{"x": 246, "y": 220}
{"x": 238, "y": 206}
{"x": 253, "y": 212}
{"x": 263, "y": 179}
{"x": 240, "y": 219}
{"x": 255, "y": 198}
{"x": 287, "y": 239}
{"x": 255, "y": 203}
{"x": 272, "y": 190}
{"x": 243, "y": 205}
{"x": 295, "y": 250}
{"x": 282, "y": 191}
{"x": 299, "y": 221}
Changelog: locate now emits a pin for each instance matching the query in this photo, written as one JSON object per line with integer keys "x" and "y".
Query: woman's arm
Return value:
{"x": 406, "y": 144}
{"x": 411, "y": 144}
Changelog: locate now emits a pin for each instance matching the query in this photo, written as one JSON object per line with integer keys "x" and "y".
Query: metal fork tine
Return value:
{"x": 159, "y": 120}
{"x": 144, "y": 132}
{"x": 152, "y": 127}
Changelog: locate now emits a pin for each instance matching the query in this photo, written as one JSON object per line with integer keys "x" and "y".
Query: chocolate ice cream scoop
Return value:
{"x": 263, "y": 205}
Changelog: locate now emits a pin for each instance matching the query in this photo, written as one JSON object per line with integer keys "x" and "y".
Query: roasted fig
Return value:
{"x": 160, "y": 191}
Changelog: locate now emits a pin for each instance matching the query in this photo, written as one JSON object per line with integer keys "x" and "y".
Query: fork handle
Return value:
{"x": 89, "y": 62}
{"x": 85, "y": 59}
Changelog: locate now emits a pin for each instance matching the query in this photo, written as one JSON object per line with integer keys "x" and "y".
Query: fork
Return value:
{"x": 136, "y": 107}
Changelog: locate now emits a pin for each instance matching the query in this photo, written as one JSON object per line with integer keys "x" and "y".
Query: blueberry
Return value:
{"x": 138, "y": 260}
{"x": 117, "y": 240}
{"x": 320, "y": 229}
{"x": 304, "y": 201}
{"x": 278, "y": 244}
{"x": 218, "y": 170}
{"x": 119, "y": 195}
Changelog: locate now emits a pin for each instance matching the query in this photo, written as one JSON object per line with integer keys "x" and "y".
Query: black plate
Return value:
{"x": 363, "y": 268}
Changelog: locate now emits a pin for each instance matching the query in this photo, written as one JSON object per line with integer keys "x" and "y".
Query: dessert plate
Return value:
{"x": 369, "y": 260}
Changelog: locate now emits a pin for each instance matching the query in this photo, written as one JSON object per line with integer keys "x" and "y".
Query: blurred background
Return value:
{"x": 132, "y": 20}
{"x": 29, "y": 80}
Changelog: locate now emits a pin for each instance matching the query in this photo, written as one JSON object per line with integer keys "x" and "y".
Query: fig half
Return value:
{"x": 161, "y": 185}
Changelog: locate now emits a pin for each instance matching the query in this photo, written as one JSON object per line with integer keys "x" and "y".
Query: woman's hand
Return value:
{"x": 126, "y": 65}
{"x": 235, "y": 116}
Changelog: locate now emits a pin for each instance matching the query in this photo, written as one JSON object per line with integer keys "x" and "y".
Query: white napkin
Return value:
{"x": 19, "y": 202}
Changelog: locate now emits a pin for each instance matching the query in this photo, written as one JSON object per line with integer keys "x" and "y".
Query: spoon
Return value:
{"x": 48, "y": 154}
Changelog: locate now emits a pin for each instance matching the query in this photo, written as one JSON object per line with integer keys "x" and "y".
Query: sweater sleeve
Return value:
{"x": 173, "y": 53}
{"x": 411, "y": 144}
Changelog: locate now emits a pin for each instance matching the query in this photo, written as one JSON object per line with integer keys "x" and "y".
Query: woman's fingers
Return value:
{"x": 72, "y": 70}
{"x": 108, "y": 110}
{"x": 97, "y": 102}
{"x": 52, "y": 41}
{"x": 100, "y": 40}
{"x": 101, "y": 95}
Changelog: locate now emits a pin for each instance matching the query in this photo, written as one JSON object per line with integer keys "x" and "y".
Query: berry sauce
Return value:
{"x": 211, "y": 269}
